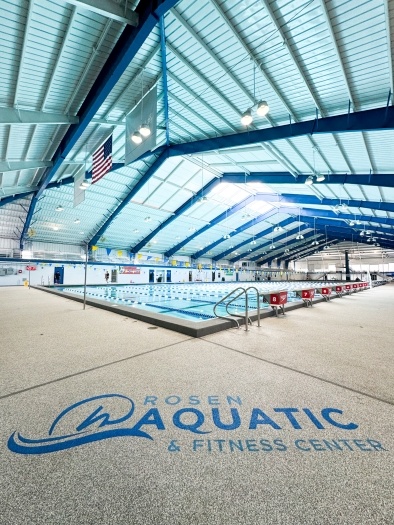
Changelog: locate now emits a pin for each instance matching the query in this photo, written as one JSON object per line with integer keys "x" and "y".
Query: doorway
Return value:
{"x": 114, "y": 276}
{"x": 168, "y": 276}
{"x": 58, "y": 275}
{"x": 151, "y": 276}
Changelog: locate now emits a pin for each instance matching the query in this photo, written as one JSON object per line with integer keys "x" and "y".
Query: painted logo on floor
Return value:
{"x": 110, "y": 416}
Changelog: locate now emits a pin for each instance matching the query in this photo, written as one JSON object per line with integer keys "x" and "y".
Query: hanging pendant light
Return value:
{"x": 246, "y": 118}
{"x": 136, "y": 137}
{"x": 262, "y": 108}
{"x": 145, "y": 130}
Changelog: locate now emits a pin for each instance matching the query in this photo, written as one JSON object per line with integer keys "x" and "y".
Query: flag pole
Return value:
{"x": 86, "y": 271}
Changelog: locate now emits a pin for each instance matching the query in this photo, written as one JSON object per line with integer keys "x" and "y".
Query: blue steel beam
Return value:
{"x": 314, "y": 200}
{"x": 216, "y": 220}
{"x": 274, "y": 253}
{"x": 287, "y": 178}
{"x": 316, "y": 212}
{"x": 188, "y": 204}
{"x": 12, "y": 198}
{"x": 369, "y": 120}
{"x": 126, "y": 48}
{"x": 147, "y": 175}
{"x": 164, "y": 75}
{"x": 292, "y": 242}
{"x": 291, "y": 245}
{"x": 267, "y": 242}
{"x": 338, "y": 226}
{"x": 305, "y": 249}
{"x": 245, "y": 226}
{"x": 259, "y": 235}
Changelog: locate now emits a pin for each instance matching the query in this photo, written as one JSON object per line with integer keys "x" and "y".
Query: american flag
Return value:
{"x": 102, "y": 160}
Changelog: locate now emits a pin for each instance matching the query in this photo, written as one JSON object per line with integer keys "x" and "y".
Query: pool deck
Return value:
{"x": 297, "y": 417}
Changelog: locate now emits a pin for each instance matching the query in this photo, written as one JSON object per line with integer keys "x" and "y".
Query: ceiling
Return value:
{"x": 212, "y": 187}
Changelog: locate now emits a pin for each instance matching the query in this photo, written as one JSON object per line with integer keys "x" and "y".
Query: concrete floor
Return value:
{"x": 242, "y": 450}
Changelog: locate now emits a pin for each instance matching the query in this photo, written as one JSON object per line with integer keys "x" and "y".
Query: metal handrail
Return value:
{"x": 246, "y": 316}
{"x": 258, "y": 301}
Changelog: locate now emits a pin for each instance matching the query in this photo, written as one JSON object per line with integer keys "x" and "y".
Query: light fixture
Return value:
{"x": 320, "y": 177}
{"x": 59, "y": 208}
{"x": 55, "y": 228}
{"x": 84, "y": 185}
{"x": 77, "y": 221}
{"x": 136, "y": 231}
{"x": 309, "y": 180}
{"x": 226, "y": 236}
{"x": 136, "y": 137}
{"x": 315, "y": 243}
{"x": 253, "y": 242}
{"x": 272, "y": 247}
{"x": 246, "y": 118}
{"x": 352, "y": 223}
{"x": 192, "y": 229}
{"x": 299, "y": 237}
{"x": 145, "y": 130}
{"x": 278, "y": 229}
{"x": 147, "y": 219}
{"x": 262, "y": 108}
{"x": 326, "y": 247}
{"x": 81, "y": 233}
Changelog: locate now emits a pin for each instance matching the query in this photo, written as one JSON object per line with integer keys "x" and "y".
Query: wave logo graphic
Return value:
{"x": 96, "y": 426}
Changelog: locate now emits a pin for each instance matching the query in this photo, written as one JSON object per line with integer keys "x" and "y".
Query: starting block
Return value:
{"x": 276, "y": 300}
{"x": 325, "y": 291}
{"x": 307, "y": 295}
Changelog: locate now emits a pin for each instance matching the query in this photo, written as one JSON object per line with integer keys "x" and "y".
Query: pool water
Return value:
{"x": 193, "y": 301}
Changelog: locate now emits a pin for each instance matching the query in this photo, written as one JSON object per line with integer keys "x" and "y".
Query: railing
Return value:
{"x": 241, "y": 291}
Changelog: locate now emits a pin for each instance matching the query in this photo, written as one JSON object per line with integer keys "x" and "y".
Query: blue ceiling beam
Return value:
{"x": 147, "y": 175}
{"x": 267, "y": 242}
{"x": 292, "y": 242}
{"x": 222, "y": 217}
{"x": 164, "y": 76}
{"x": 314, "y": 200}
{"x": 268, "y": 231}
{"x": 369, "y": 120}
{"x": 316, "y": 212}
{"x": 12, "y": 198}
{"x": 245, "y": 226}
{"x": 287, "y": 178}
{"x": 338, "y": 226}
{"x": 188, "y": 204}
{"x": 124, "y": 51}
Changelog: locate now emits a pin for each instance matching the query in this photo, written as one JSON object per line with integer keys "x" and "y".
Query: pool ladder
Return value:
{"x": 233, "y": 296}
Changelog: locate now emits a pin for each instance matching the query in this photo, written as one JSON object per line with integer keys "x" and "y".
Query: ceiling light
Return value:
{"x": 247, "y": 118}
{"x": 262, "y": 108}
{"x": 309, "y": 180}
{"x": 136, "y": 137}
{"x": 278, "y": 229}
{"x": 315, "y": 243}
{"x": 226, "y": 236}
{"x": 147, "y": 219}
{"x": 77, "y": 221}
{"x": 362, "y": 233}
{"x": 145, "y": 130}
{"x": 326, "y": 247}
{"x": 136, "y": 231}
{"x": 81, "y": 233}
{"x": 204, "y": 198}
{"x": 55, "y": 228}
{"x": 59, "y": 208}
{"x": 377, "y": 244}
{"x": 253, "y": 242}
{"x": 84, "y": 184}
{"x": 351, "y": 223}
{"x": 320, "y": 177}
{"x": 272, "y": 247}
{"x": 299, "y": 237}
{"x": 192, "y": 229}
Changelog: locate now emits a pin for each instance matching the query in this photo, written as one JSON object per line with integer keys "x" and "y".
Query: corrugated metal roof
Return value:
{"x": 222, "y": 58}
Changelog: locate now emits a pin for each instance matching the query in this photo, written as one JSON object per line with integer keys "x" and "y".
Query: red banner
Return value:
{"x": 31, "y": 268}
{"x": 129, "y": 270}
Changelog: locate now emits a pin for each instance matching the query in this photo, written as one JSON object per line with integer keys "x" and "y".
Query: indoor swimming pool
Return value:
{"x": 193, "y": 302}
